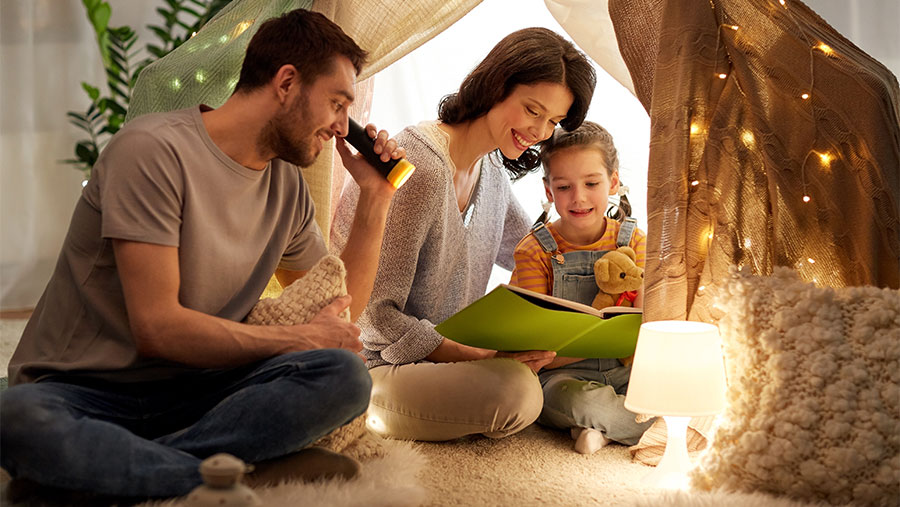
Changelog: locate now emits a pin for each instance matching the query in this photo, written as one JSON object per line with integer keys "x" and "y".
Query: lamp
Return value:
{"x": 677, "y": 373}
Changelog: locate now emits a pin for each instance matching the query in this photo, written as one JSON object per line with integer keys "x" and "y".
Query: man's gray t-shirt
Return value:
{"x": 162, "y": 180}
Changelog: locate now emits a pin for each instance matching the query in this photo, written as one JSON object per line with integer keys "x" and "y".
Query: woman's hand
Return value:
{"x": 534, "y": 359}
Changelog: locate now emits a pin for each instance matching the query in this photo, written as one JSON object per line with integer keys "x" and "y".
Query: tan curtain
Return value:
{"x": 774, "y": 142}
{"x": 388, "y": 30}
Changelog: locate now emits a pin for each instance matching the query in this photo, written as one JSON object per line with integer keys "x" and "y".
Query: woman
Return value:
{"x": 447, "y": 226}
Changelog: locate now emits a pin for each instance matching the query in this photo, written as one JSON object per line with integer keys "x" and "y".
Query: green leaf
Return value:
{"x": 86, "y": 151}
{"x": 117, "y": 108}
{"x": 117, "y": 90}
{"x": 157, "y": 51}
{"x": 98, "y": 14}
{"x": 103, "y": 43}
{"x": 190, "y": 11}
{"x": 160, "y": 32}
{"x": 167, "y": 15}
{"x": 92, "y": 92}
{"x": 117, "y": 121}
{"x": 82, "y": 125}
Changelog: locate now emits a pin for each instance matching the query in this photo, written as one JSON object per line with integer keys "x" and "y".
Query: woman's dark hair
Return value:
{"x": 588, "y": 135}
{"x": 305, "y": 39}
{"x": 525, "y": 57}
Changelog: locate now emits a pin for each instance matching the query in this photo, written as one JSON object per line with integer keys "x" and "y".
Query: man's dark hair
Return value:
{"x": 525, "y": 57}
{"x": 307, "y": 40}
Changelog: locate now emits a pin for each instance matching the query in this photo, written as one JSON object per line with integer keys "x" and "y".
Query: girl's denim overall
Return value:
{"x": 589, "y": 393}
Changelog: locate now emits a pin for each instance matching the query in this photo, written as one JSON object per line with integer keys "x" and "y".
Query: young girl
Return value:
{"x": 581, "y": 171}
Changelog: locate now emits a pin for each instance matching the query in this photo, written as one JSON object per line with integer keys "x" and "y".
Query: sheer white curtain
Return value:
{"x": 47, "y": 48}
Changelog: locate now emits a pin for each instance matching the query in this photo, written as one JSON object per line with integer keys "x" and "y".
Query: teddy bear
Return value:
{"x": 617, "y": 275}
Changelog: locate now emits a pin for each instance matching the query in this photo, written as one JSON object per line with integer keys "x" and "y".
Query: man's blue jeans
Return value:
{"x": 148, "y": 439}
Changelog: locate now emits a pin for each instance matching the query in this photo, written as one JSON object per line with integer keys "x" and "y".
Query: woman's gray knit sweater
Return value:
{"x": 434, "y": 259}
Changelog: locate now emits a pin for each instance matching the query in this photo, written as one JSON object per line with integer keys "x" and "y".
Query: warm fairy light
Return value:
{"x": 781, "y": 2}
{"x": 242, "y": 27}
{"x": 825, "y": 48}
{"x": 722, "y": 75}
{"x": 695, "y": 129}
{"x": 811, "y": 261}
{"x": 700, "y": 288}
{"x": 805, "y": 198}
{"x": 734, "y": 27}
{"x": 804, "y": 96}
{"x": 747, "y": 243}
{"x": 748, "y": 139}
{"x": 695, "y": 183}
{"x": 706, "y": 236}
{"x": 826, "y": 158}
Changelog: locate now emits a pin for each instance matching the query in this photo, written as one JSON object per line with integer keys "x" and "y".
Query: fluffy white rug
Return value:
{"x": 700, "y": 499}
{"x": 386, "y": 481}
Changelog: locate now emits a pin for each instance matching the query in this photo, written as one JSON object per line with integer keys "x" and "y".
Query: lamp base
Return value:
{"x": 671, "y": 472}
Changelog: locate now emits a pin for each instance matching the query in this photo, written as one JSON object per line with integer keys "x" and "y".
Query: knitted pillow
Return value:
{"x": 813, "y": 398}
{"x": 299, "y": 303}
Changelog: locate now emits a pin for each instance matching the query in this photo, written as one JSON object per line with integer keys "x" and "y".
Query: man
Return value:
{"x": 135, "y": 365}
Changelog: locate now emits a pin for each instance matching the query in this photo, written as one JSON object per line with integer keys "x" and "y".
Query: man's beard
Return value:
{"x": 287, "y": 134}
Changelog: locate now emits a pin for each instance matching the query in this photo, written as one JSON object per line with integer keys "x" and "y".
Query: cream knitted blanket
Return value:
{"x": 298, "y": 304}
{"x": 813, "y": 392}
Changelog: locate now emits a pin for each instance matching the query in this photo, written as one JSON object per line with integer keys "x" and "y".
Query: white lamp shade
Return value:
{"x": 677, "y": 370}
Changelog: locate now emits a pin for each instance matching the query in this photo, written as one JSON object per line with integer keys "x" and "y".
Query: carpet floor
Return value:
{"x": 536, "y": 467}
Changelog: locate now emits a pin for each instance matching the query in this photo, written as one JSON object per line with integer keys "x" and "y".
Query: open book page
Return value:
{"x": 555, "y": 303}
{"x": 510, "y": 319}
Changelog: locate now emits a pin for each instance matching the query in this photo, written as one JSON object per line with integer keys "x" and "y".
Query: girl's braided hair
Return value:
{"x": 589, "y": 134}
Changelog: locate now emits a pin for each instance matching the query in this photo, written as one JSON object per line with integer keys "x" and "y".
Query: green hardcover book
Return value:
{"x": 513, "y": 319}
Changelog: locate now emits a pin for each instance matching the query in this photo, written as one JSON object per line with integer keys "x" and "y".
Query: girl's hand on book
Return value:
{"x": 534, "y": 359}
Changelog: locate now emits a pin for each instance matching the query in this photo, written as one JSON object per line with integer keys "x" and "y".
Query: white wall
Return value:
{"x": 47, "y": 48}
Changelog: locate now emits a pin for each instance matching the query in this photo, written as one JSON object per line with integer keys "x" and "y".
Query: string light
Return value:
{"x": 748, "y": 139}
{"x": 811, "y": 261}
{"x": 806, "y": 198}
{"x": 695, "y": 128}
{"x": 825, "y": 48}
{"x": 804, "y": 96}
{"x": 734, "y": 27}
{"x": 747, "y": 243}
{"x": 826, "y": 158}
{"x": 782, "y": 2}
{"x": 722, "y": 75}
{"x": 695, "y": 183}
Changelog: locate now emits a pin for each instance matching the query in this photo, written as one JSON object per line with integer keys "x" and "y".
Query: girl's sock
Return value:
{"x": 588, "y": 440}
